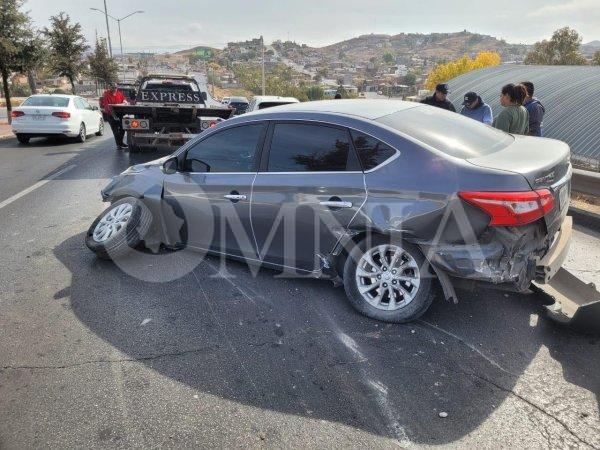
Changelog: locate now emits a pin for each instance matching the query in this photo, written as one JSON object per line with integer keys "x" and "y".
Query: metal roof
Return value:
{"x": 570, "y": 94}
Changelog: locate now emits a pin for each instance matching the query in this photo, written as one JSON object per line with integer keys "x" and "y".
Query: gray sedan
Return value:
{"x": 387, "y": 198}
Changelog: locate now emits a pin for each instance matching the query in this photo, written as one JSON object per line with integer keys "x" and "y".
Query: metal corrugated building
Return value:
{"x": 570, "y": 94}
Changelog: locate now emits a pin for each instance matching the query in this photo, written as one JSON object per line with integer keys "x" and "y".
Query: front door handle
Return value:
{"x": 336, "y": 204}
{"x": 235, "y": 196}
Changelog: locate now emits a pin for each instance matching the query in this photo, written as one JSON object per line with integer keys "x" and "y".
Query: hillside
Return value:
{"x": 436, "y": 46}
{"x": 198, "y": 50}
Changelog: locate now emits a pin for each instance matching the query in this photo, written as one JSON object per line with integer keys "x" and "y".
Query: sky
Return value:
{"x": 168, "y": 25}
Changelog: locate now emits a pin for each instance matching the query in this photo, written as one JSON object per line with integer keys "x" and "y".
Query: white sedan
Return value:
{"x": 56, "y": 115}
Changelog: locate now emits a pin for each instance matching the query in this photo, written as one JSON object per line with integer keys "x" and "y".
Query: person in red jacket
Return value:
{"x": 112, "y": 96}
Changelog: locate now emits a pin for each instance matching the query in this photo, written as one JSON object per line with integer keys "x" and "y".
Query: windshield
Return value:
{"x": 448, "y": 132}
{"x": 47, "y": 100}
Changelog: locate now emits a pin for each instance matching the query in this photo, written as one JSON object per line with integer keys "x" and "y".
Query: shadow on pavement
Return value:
{"x": 295, "y": 345}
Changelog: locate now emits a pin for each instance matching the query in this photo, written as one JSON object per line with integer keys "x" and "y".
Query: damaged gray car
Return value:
{"x": 384, "y": 197}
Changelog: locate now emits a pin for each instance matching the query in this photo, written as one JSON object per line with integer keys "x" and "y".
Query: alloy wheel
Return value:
{"x": 387, "y": 277}
{"x": 112, "y": 222}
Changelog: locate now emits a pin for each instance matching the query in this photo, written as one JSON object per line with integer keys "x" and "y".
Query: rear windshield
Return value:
{"x": 47, "y": 100}
{"x": 264, "y": 105}
{"x": 448, "y": 132}
{"x": 170, "y": 87}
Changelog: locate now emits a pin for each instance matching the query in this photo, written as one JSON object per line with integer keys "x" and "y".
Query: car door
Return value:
{"x": 207, "y": 203}
{"x": 92, "y": 117}
{"x": 306, "y": 194}
{"x": 82, "y": 114}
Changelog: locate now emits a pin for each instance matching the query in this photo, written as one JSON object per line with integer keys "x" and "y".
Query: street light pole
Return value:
{"x": 107, "y": 30}
{"x": 120, "y": 37}
{"x": 262, "y": 50}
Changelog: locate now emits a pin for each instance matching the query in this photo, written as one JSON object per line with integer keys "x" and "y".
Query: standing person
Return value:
{"x": 476, "y": 109}
{"x": 514, "y": 118}
{"x": 438, "y": 99}
{"x": 535, "y": 109}
{"x": 112, "y": 96}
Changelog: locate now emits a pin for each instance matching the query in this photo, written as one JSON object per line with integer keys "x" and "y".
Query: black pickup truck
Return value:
{"x": 169, "y": 110}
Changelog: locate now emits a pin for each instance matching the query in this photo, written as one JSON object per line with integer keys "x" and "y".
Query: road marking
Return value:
{"x": 33, "y": 187}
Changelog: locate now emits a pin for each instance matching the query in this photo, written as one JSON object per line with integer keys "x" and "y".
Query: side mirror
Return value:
{"x": 170, "y": 166}
{"x": 94, "y": 108}
{"x": 204, "y": 96}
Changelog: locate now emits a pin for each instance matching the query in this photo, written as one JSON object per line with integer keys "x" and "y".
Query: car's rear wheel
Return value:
{"x": 120, "y": 228}
{"x": 100, "y": 131}
{"x": 82, "y": 133}
{"x": 133, "y": 148}
{"x": 388, "y": 280}
{"x": 23, "y": 139}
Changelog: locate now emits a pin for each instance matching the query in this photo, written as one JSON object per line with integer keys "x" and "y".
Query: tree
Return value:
{"x": 315, "y": 93}
{"x": 596, "y": 58}
{"x": 388, "y": 58}
{"x": 410, "y": 79}
{"x": 561, "y": 49}
{"x": 445, "y": 72}
{"x": 67, "y": 45}
{"x": 103, "y": 67}
{"x": 18, "y": 45}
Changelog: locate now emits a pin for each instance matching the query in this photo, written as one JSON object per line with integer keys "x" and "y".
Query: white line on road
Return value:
{"x": 32, "y": 188}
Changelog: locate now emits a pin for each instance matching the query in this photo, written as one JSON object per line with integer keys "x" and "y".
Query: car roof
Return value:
{"x": 367, "y": 109}
{"x": 55, "y": 95}
{"x": 275, "y": 98}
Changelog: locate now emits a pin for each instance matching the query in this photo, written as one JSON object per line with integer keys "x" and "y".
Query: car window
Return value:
{"x": 448, "y": 132}
{"x": 79, "y": 103}
{"x": 230, "y": 150}
{"x": 47, "y": 100}
{"x": 86, "y": 105}
{"x": 371, "y": 151}
{"x": 308, "y": 148}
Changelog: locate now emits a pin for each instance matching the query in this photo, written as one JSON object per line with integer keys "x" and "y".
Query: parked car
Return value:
{"x": 56, "y": 115}
{"x": 382, "y": 196}
{"x": 238, "y": 104}
{"x": 268, "y": 101}
{"x": 225, "y": 100}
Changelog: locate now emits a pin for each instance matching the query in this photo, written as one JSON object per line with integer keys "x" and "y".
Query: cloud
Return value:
{"x": 580, "y": 8}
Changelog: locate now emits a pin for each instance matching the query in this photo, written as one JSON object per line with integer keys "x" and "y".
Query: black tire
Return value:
{"x": 128, "y": 237}
{"x": 82, "y": 134}
{"x": 23, "y": 139}
{"x": 133, "y": 148}
{"x": 100, "y": 132}
{"x": 414, "y": 309}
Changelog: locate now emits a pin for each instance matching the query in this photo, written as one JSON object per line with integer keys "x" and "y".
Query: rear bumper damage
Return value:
{"x": 516, "y": 263}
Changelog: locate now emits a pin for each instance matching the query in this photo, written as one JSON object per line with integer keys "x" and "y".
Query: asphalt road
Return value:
{"x": 166, "y": 351}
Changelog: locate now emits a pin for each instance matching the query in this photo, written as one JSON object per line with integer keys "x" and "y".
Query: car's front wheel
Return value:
{"x": 82, "y": 134}
{"x": 23, "y": 139}
{"x": 100, "y": 131}
{"x": 388, "y": 280}
{"x": 120, "y": 227}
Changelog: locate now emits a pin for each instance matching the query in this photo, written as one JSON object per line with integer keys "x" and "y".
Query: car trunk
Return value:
{"x": 545, "y": 164}
{"x": 40, "y": 114}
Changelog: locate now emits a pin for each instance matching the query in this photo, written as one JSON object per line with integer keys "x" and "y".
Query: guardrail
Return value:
{"x": 586, "y": 182}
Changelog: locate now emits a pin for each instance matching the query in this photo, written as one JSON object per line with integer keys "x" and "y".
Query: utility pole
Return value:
{"x": 120, "y": 38}
{"x": 262, "y": 48}
{"x": 107, "y": 30}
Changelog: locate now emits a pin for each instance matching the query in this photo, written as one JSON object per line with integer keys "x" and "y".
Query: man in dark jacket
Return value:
{"x": 438, "y": 99}
{"x": 535, "y": 109}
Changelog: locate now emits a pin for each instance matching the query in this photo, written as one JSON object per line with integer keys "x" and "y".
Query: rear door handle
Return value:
{"x": 336, "y": 204}
{"x": 235, "y": 196}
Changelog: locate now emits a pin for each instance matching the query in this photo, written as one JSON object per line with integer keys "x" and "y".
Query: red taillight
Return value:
{"x": 512, "y": 208}
{"x": 14, "y": 114}
{"x": 61, "y": 114}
